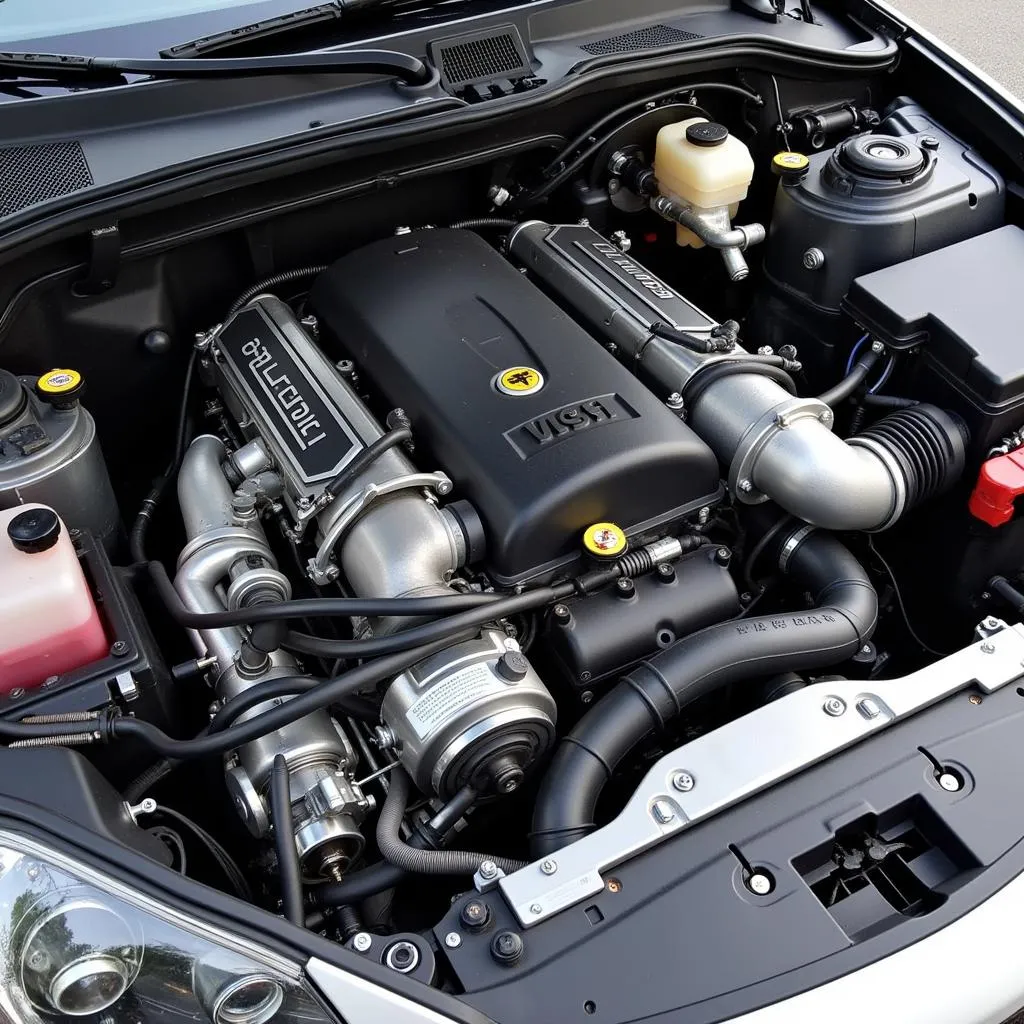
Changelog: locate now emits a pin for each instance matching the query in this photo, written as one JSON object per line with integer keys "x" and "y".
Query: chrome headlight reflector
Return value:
{"x": 75, "y": 943}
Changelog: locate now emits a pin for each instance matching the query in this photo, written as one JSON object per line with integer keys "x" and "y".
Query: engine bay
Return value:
{"x": 485, "y": 538}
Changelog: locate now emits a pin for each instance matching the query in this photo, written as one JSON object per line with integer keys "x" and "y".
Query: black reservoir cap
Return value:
{"x": 34, "y": 530}
{"x": 12, "y": 397}
{"x": 706, "y": 133}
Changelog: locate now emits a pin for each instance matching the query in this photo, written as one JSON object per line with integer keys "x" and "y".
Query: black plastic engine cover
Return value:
{"x": 436, "y": 319}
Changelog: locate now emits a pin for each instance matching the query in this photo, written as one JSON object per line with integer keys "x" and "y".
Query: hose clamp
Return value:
{"x": 793, "y": 541}
{"x": 896, "y": 473}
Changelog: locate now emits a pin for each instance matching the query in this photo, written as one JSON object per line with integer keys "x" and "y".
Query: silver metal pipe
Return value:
{"x": 775, "y": 445}
{"x": 713, "y": 227}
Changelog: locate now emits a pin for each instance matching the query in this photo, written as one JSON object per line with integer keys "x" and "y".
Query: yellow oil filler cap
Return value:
{"x": 605, "y": 540}
{"x": 60, "y": 387}
{"x": 790, "y": 166}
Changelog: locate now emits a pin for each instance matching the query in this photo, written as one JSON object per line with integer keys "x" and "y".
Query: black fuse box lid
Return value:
{"x": 962, "y": 303}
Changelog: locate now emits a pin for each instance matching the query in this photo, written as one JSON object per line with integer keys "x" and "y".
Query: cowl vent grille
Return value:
{"x": 33, "y": 174}
{"x": 640, "y": 39}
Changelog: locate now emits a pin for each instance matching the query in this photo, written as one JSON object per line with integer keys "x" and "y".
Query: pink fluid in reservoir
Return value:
{"x": 48, "y": 618}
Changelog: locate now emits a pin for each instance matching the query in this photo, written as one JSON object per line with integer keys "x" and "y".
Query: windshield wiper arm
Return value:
{"x": 409, "y": 69}
{"x": 278, "y": 25}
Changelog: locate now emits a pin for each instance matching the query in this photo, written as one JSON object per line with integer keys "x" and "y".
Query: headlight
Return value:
{"x": 74, "y": 943}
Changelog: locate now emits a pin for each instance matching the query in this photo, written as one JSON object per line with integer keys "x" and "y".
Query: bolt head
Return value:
{"x": 362, "y": 941}
{"x": 746, "y": 486}
{"x": 118, "y": 648}
{"x": 683, "y": 781}
{"x": 453, "y": 940}
{"x": 988, "y": 647}
{"x": 877, "y": 347}
{"x": 488, "y": 869}
{"x": 536, "y": 908}
{"x": 834, "y": 706}
{"x": 549, "y": 867}
{"x": 760, "y": 884}
{"x": 587, "y": 696}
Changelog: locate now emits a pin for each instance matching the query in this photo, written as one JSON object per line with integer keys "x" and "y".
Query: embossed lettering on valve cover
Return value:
{"x": 557, "y": 425}
{"x": 309, "y": 428}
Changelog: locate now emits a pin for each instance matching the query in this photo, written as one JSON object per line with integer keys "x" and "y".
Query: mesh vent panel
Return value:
{"x": 33, "y": 174}
{"x": 480, "y": 59}
{"x": 640, "y": 39}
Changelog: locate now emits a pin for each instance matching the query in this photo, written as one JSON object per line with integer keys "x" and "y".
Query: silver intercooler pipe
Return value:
{"x": 228, "y": 564}
{"x": 776, "y": 446}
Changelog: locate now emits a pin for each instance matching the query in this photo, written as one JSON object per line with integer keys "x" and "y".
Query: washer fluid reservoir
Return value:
{"x": 48, "y": 619}
{"x": 697, "y": 162}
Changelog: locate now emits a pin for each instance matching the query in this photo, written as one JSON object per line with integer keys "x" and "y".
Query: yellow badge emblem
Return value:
{"x": 519, "y": 380}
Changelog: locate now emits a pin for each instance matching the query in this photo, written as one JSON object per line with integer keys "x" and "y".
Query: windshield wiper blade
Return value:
{"x": 278, "y": 25}
{"x": 409, "y": 69}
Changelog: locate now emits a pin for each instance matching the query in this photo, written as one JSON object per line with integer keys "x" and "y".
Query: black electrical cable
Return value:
{"x": 483, "y": 223}
{"x": 366, "y": 458}
{"x": 380, "y": 877}
{"x": 344, "y": 607}
{"x": 889, "y": 401}
{"x": 219, "y": 854}
{"x": 285, "y": 277}
{"x": 558, "y": 177}
{"x": 848, "y": 385}
{"x": 286, "y": 686}
{"x": 656, "y": 97}
{"x": 448, "y": 627}
{"x": 137, "y": 537}
{"x": 171, "y": 839}
{"x": 413, "y": 859}
{"x": 289, "y": 872}
{"x": 900, "y": 602}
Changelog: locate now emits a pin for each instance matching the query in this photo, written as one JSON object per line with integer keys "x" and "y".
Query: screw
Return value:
{"x": 666, "y": 571}
{"x": 453, "y": 940}
{"x": 949, "y": 782}
{"x": 683, "y": 781}
{"x": 990, "y": 622}
{"x": 507, "y": 947}
{"x": 975, "y": 698}
{"x": 118, "y": 648}
{"x": 562, "y": 614}
{"x": 766, "y": 350}
{"x": 33, "y": 873}
{"x": 362, "y": 942}
{"x": 587, "y": 696}
{"x": 723, "y": 556}
{"x": 834, "y": 706}
{"x": 746, "y": 486}
{"x": 613, "y": 186}
{"x": 825, "y": 416}
{"x": 488, "y": 870}
{"x": 625, "y": 587}
{"x": 674, "y": 401}
{"x": 813, "y": 258}
{"x": 614, "y": 885}
{"x": 929, "y": 142}
{"x": 877, "y": 347}
{"x": 16, "y": 693}
{"x": 584, "y": 222}
{"x": 760, "y": 883}
{"x": 499, "y": 195}
{"x": 988, "y": 648}
{"x": 51, "y": 681}
{"x": 549, "y": 867}
{"x": 475, "y": 915}
{"x": 704, "y": 515}
{"x": 585, "y": 676}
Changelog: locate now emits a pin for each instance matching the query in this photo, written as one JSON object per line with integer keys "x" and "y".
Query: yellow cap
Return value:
{"x": 59, "y": 382}
{"x": 790, "y": 163}
{"x": 605, "y": 540}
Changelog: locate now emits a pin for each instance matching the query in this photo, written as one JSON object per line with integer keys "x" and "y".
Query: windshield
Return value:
{"x": 33, "y": 19}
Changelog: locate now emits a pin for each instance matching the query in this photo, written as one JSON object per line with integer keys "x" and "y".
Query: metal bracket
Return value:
{"x": 749, "y": 755}
{"x": 358, "y": 504}
{"x": 104, "y": 261}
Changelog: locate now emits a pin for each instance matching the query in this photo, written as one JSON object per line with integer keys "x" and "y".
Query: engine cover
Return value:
{"x": 540, "y": 427}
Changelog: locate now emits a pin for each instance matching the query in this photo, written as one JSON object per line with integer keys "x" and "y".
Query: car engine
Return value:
{"x": 468, "y": 526}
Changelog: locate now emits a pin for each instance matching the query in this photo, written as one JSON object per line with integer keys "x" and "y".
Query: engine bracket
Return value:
{"x": 749, "y": 755}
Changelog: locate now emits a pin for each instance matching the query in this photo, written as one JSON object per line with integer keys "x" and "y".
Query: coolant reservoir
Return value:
{"x": 699, "y": 163}
{"x": 48, "y": 619}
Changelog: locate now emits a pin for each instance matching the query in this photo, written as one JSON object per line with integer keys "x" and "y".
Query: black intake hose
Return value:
{"x": 657, "y": 690}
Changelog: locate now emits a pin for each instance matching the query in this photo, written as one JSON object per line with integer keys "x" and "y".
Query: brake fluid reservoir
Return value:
{"x": 697, "y": 162}
{"x": 48, "y": 619}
